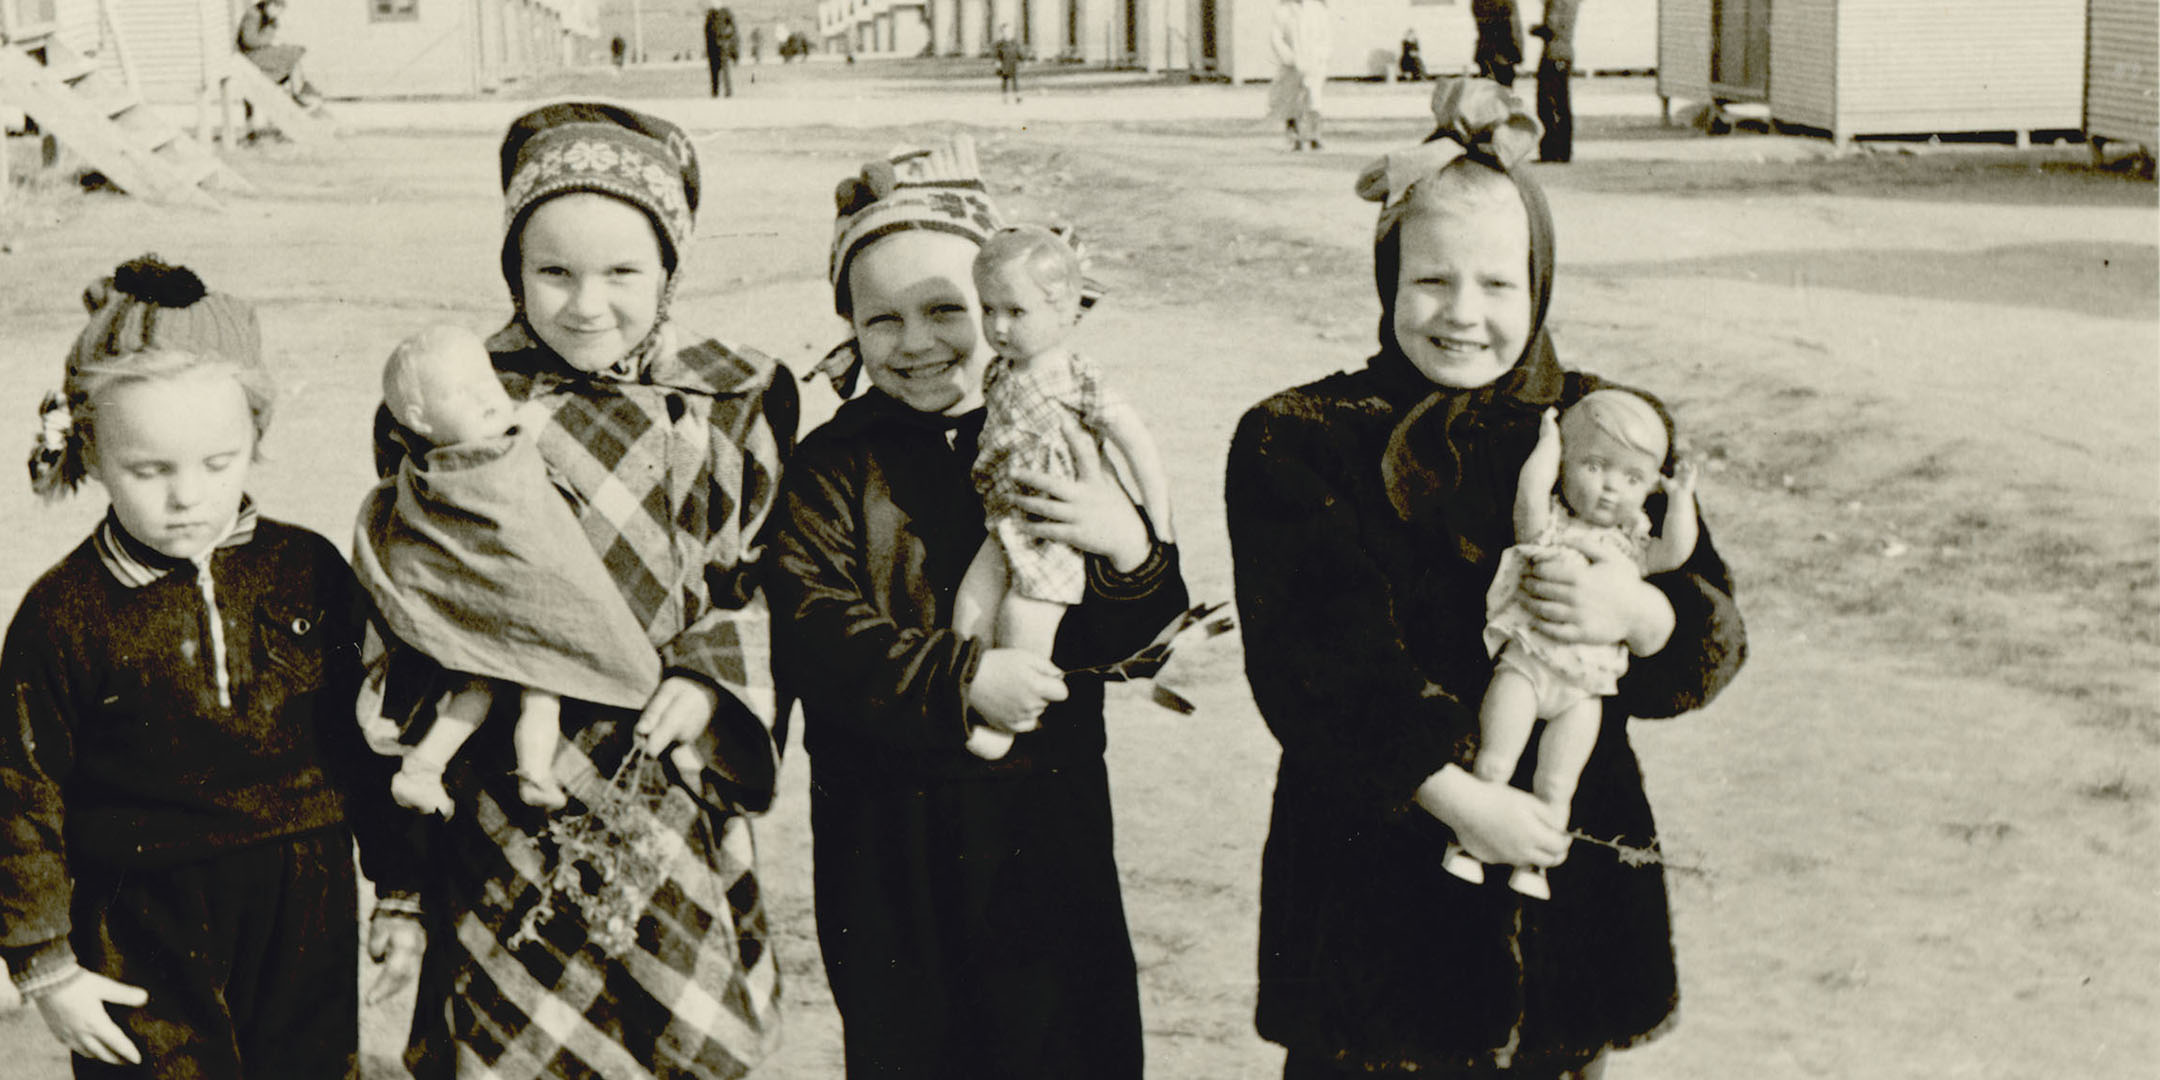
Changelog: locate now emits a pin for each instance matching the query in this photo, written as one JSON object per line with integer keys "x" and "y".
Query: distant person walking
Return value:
{"x": 1555, "y": 108}
{"x": 618, "y": 51}
{"x": 1499, "y": 39}
{"x": 1411, "y": 63}
{"x": 721, "y": 49}
{"x": 1007, "y": 52}
{"x": 757, "y": 45}
{"x": 1304, "y": 37}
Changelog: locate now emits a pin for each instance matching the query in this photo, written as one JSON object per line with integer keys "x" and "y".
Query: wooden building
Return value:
{"x": 418, "y": 48}
{"x": 1854, "y": 68}
{"x": 2122, "y": 73}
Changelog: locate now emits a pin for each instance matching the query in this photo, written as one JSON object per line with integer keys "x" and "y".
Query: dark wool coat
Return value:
{"x": 968, "y": 910}
{"x": 1362, "y": 647}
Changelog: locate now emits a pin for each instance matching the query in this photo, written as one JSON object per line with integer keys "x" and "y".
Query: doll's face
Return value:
{"x": 1462, "y": 299}
{"x": 592, "y": 276}
{"x": 1603, "y": 480}
{"x": 442, "y": 385}
{"x": 916, "y": 320}
{"x": 173, "y": 453}
{"x": 1020, "y": 317}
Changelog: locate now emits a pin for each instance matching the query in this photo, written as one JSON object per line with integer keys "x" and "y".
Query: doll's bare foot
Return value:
{"x": 1459, "y": 863}
{"x": 542, "y": 792}
{"x": 1530, "y": 881}
{"x": 988, "y": 743}
{"x": 417, "y": 789}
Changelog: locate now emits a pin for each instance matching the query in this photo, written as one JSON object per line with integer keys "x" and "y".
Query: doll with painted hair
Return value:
{"x": 475, "y": 558}
{"x": 1580, "y": 497}
{"x": 1015, "y": 593}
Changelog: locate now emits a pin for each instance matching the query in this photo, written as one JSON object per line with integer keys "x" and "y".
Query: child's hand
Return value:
{"x": 1012, "y": 687}
{"x": 1497, "y": 823}
{"x": 395, "y": 942}
{"x": 75, "y": 1013}
{"x": 1599, "y": 599}
{"x": 1681, "y": 484}
{"x": 679, "y": 711}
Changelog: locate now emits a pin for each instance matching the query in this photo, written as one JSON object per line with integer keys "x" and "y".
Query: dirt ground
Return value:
{"x": 1916, "y": 839}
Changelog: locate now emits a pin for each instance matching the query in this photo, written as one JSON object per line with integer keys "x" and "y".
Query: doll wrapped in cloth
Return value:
{"x": 474, "y": 558}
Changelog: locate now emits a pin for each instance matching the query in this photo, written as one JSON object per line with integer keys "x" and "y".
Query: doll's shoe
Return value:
{"x": 1459, "y": 863}
{"x": 416, "y": 790}
{"x": 541, "y": 792}
{"x": 988, "y": 743}
{"x": 1530, "y": 881}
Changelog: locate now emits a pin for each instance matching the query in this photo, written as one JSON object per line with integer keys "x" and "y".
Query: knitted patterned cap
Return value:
{"x": 589, "y": 146}
{"x": 939, "y": 190}
{"x": 145, "y": 306}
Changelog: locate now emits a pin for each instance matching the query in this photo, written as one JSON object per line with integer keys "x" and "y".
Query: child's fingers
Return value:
{"x": 107, "y": 1043}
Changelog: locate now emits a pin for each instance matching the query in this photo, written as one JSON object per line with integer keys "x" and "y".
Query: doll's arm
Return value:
{"x": 1533, "y": 489}
{"x": 1670, "y": 549}
{"x": 1120, "y": 423}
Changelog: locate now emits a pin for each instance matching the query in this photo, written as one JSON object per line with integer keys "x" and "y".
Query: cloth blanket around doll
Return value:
{"x": 1595, "y": 668}
{"x": 475, "y": 559}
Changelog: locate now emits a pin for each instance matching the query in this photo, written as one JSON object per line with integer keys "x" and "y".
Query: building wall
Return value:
{"x": 1994, "y": 65}
{"x": 2122, "y": 87}
{"x": 1610, "y": 35}
{"x": 1804, "y": 62}
{"x": 1683, "y": 49}
{"x": 166, "y": 40}
{"x": 437, "y": 52}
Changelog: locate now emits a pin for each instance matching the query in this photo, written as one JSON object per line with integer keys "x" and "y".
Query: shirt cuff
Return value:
{"x": 43, "y": 967}
{"x": 1107, "y": 582}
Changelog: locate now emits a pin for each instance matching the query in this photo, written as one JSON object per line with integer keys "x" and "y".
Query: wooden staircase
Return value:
{"x": 109, "y": 126}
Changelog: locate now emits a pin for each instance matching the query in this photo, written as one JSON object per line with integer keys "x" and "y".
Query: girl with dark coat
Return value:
{"x": 1367, "y": 512}
{"x": 968, "y": 910}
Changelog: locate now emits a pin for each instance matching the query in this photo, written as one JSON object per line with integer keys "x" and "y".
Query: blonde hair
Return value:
{"x": 1050, "y": 262}
{"x": 60, "y": 461}
{"x": 1624, "y": 417}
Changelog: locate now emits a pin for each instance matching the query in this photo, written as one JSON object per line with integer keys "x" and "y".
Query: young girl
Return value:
{"x": 1580, "y": 495}
{"x": 968, "y": 910}
{"x": 179, "y": 785}
{"x": 474, "y": 558}
{"x": 623, "y": 937}
{"x": 1019, "y": 586}
{"x": 1363, "y": 610}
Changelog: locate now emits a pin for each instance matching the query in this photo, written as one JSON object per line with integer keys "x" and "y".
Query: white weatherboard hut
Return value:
{"x": 2122, "y": 73}
{"x": 1855, "y": 68}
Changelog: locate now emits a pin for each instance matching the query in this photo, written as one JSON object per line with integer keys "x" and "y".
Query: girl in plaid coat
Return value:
{"x": 623, "y": 936}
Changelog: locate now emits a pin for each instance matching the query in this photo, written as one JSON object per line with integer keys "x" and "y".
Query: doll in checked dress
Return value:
{"x": 1605, "y": 455}
{"x": 1043, "y": 403}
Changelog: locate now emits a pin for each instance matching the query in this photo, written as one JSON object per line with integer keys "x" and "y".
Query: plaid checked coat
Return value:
{"x": 646, "y": 955}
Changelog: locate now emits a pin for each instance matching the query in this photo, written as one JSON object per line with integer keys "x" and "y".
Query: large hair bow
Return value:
{"x": 1474, "y": 118}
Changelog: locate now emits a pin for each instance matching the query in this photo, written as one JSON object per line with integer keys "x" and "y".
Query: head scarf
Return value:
{"x": 584, "y": 146}
{"x": 1451, "y": 461}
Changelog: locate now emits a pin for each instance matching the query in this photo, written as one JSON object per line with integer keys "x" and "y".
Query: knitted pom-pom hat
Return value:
{"x": 607, "y": 149}
{"x": 939, "y": 189}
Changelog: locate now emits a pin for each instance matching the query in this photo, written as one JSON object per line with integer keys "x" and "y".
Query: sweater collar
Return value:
{"x": 135, "y": 564}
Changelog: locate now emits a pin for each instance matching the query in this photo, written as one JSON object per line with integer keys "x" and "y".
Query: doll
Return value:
{"x": 474, "y": 557}
{"x": 1605, "y": 457}
{"x": 1031, "y": 283}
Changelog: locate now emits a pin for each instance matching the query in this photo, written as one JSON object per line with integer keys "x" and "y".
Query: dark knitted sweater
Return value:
{"x": 118, "y": 752}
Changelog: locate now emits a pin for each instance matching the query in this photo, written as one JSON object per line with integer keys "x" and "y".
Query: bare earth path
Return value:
{"x": 1915, "y": 840}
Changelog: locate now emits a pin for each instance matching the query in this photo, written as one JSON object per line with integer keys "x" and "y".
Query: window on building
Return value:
{"x": 393, "y": 10}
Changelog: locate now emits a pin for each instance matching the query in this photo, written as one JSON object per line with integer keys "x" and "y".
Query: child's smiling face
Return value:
{"x": 591, "y": 272}
{"x": 1462, "y": 297}
{"x": 1020, "y": 317}
{"x": 173, "y": 453}
{"x": 916, "y": 318}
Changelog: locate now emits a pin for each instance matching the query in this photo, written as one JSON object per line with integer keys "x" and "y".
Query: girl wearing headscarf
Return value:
{"x": 1367, "y": 512}
{"x": 968, "y": 909}
{"x": 622, "y": 936}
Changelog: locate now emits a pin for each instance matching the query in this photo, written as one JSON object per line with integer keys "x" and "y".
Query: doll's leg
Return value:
{"x": 1569, "y": 737}
{"x": 418, "y": 783}
{"x": 1024, "y": 622}
{"x": 982, "y": 588}
{"x": 538, "y": 732}
{"x": 1505, "y": 720}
